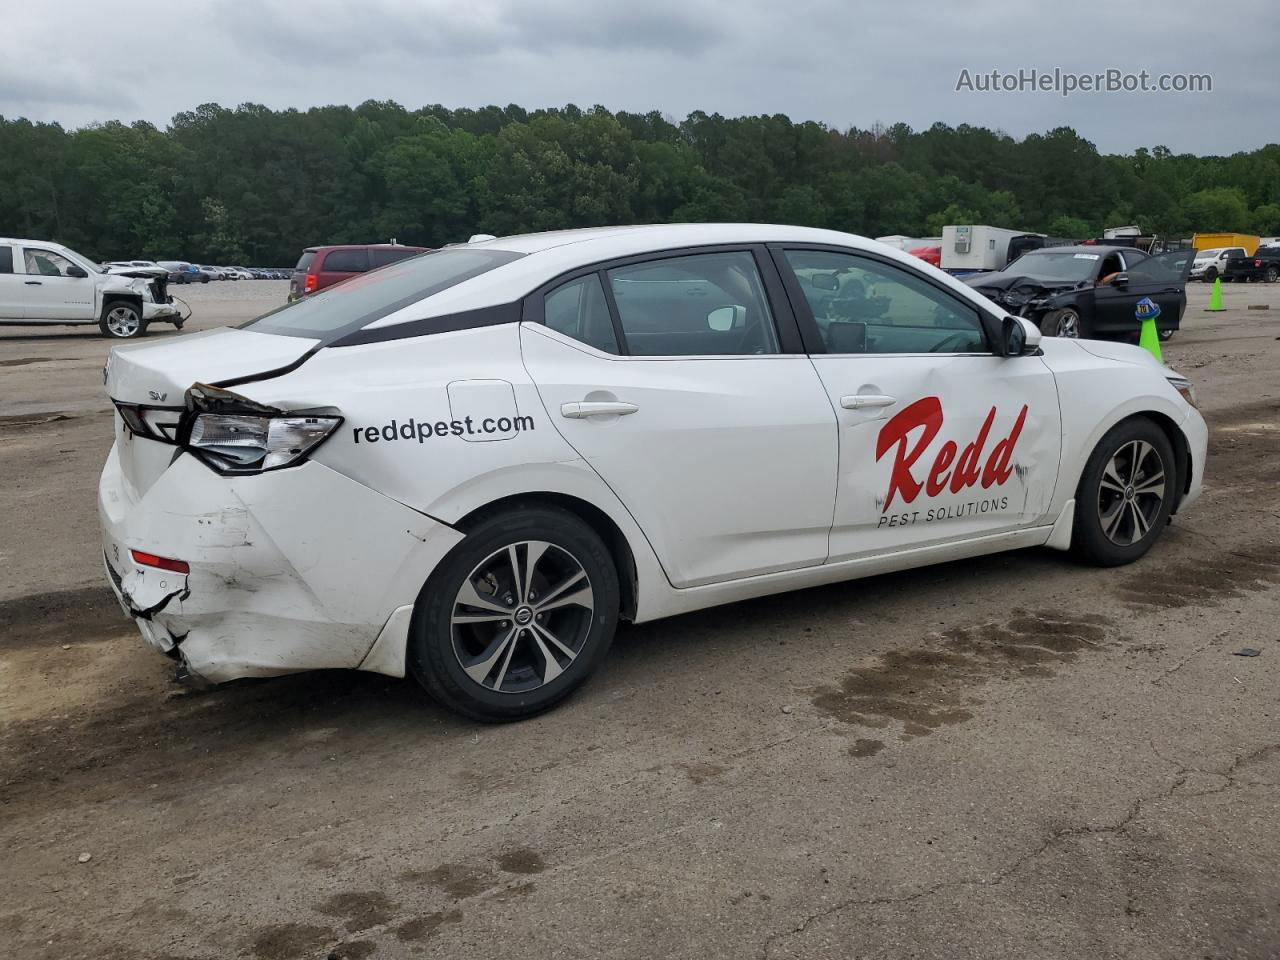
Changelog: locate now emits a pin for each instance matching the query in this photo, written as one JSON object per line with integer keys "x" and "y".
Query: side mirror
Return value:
{"x": 1120, "y": 280}
{"x": 79, "y": 272}
{"x": 724, "y": 319}
{"x": 1019, "y": 337}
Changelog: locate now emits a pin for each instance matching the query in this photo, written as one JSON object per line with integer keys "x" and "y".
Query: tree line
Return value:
{"x": 254, "y": 185}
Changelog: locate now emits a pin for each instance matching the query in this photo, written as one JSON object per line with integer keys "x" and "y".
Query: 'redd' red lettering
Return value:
{"x": 926, "y": 415}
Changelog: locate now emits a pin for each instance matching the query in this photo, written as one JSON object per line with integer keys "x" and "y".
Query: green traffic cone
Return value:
{"x": 1215, "y": 298}
{"x": 1150, "y": 339}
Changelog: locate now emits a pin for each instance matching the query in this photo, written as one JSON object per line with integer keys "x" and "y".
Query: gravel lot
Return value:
{"x": 1009, "y": 757}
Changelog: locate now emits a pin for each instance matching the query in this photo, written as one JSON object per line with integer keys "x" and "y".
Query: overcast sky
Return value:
{"x": 841, "y": 62}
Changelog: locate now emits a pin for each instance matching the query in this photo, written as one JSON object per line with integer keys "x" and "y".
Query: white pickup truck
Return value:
{"x": 46, "y": 283}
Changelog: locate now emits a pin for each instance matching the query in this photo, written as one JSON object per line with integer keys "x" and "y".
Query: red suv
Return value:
{"x": 321, "y": 267}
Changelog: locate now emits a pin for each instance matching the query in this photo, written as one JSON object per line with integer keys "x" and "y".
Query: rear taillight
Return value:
{"x": 160, "y": 563}
{"x": 309, "y": 284}
{"x": 1257, "y": 263}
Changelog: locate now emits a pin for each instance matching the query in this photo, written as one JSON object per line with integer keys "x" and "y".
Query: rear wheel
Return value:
{"x": 517, "y": 616}
{"x": 1273, "y": 274}
{"x": 122, "y": 321}
{"x": 1125, "y": 495}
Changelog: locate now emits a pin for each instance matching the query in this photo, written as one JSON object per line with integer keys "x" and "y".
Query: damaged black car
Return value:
{"x": 1091, "y": 290}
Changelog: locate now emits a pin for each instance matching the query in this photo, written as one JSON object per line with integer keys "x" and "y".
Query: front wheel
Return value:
{"x": 1210, "y": 274}
{"x": 1066, "y": 322}
{"x": 122, "y": 321}
{"x": 1125, "y": 495}
{"x": 517, "y": 616}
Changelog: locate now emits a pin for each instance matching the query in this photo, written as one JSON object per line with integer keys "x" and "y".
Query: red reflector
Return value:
{"x": 160, "y": 563}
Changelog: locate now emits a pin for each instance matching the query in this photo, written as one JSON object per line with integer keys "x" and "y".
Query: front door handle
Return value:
{"x": 596, "y": 408}
{"x": 860, "y": 401}
{"x": 32, "y": 283}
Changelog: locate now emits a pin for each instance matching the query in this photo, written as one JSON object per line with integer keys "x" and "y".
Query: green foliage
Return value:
{"x": 256, "y": 185}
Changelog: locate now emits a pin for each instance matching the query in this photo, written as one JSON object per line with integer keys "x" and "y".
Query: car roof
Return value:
{"x": 363, "y": 246}
{"x": 546, "y": 256}
{"x": 1086, "y": 248}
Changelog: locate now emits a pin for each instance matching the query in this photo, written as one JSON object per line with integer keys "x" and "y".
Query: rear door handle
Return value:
{"x": 32, "y": 283}
{"x": 860, "y": 401}
{"x": 596, "y": 408}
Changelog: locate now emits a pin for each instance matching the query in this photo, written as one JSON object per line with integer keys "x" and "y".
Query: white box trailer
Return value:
{"x": 979, "y": 247}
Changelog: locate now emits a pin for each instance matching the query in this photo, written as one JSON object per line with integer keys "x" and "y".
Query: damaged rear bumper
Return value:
{"x": 290, "y": 570}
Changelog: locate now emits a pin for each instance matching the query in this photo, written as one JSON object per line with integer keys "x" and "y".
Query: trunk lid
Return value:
{"x": 148, "y": 383}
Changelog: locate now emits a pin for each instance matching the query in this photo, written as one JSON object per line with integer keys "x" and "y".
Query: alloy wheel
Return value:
{"x": 522, "y": 616}
{"x": 122, "y": 322}
{"x": 1069, "y": 325}
{"x": 1131, "y": 492}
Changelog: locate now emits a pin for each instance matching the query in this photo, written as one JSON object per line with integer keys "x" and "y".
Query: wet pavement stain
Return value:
{"x": 1204, "y": 581}
{"x": 420, "y": 928}
{"x": 287, "y": 941}
{"x": 353, "y": 950}
{"x": 360, "y": 910}
{"x": 521, "y": 860}
{"x": 865, "y": 748}
{"x": 929, "y": 687}
{"x": 700, "y": 773}
{"x": 458, "y": 880}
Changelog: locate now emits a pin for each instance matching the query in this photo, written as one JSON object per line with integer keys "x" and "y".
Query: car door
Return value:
{"x": 680, "y": 378}
{"x": 1161, "y": 279}
{"x": 940, "y": 439}
{"x": 51, "y": 294}
{"x": 12, "y": 288}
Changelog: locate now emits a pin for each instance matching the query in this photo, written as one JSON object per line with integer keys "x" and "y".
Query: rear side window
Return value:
{"x": 305, "y": 261}
{"x": 579, "y": 310}
{"x": 710, "y": 304}
{"x": 346, "y": 261}
{"x": 346, "y": 307}
{"x": 6, "y": 259}
{"x": 381, "y": 256}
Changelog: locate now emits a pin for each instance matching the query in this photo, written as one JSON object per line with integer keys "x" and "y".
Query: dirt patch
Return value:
{"x": 27, "y": 421}
{"x": 865, "y": 748}
{"x": 23, "y": 361}
{"x": 699, "y": 773}
{"x": 353, "y": 950}
{"x": 68, "y": 616}
{"x": 930, "y": 687}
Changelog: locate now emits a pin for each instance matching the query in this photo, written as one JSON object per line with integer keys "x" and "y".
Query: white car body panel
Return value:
{"x": 734, "y": 477}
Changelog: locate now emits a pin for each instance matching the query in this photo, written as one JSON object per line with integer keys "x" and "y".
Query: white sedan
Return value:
{"x": 468, "y": 466}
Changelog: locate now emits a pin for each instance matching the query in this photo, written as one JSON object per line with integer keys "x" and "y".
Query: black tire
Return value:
{"x": 1273, "y": 274}
{"x": 1101, "y": 526}
{"x": 1166, "y": 334}
{"x": 438, "y": 646}
{"x": 1210, "y": 274}
{"x": 122, "y": 320}
{"x": 1067, "y": 322}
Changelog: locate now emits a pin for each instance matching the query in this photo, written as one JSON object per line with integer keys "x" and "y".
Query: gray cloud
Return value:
{"x": 834, "y": 61}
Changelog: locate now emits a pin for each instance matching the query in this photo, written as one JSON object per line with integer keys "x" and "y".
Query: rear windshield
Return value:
{"x": 304, "y": 261}
{"x": 348, "y": 306}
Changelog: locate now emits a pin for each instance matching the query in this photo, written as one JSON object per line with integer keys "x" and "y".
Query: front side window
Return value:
{"x": 709, "y": 304}
{"x": 579, "y": 310}
{"x": 346, "y": 261}
{"x": 864, "y": 306}
{"x": 46, "y": 263}
{"x": 6, "y": 259}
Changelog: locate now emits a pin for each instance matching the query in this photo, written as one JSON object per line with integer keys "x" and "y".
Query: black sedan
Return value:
{"x": 1090, "y": 290}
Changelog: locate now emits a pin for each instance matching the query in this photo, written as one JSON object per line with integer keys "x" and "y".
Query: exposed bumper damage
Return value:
{"x": 291, "y": 570}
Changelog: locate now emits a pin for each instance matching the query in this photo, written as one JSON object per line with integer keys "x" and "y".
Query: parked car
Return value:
{"x": 180, "y": 271}
{"x": 120, "y": 266}
{"x": 44, "y": 283}
{"x": 208, "y": 273}
{"x": 1091, "y": 290}
{"x": 1263, "y": 264}
{"x": 1208, "y": 265}
{"x": 468, "y": 466}
{"x": 321, "y": 267}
